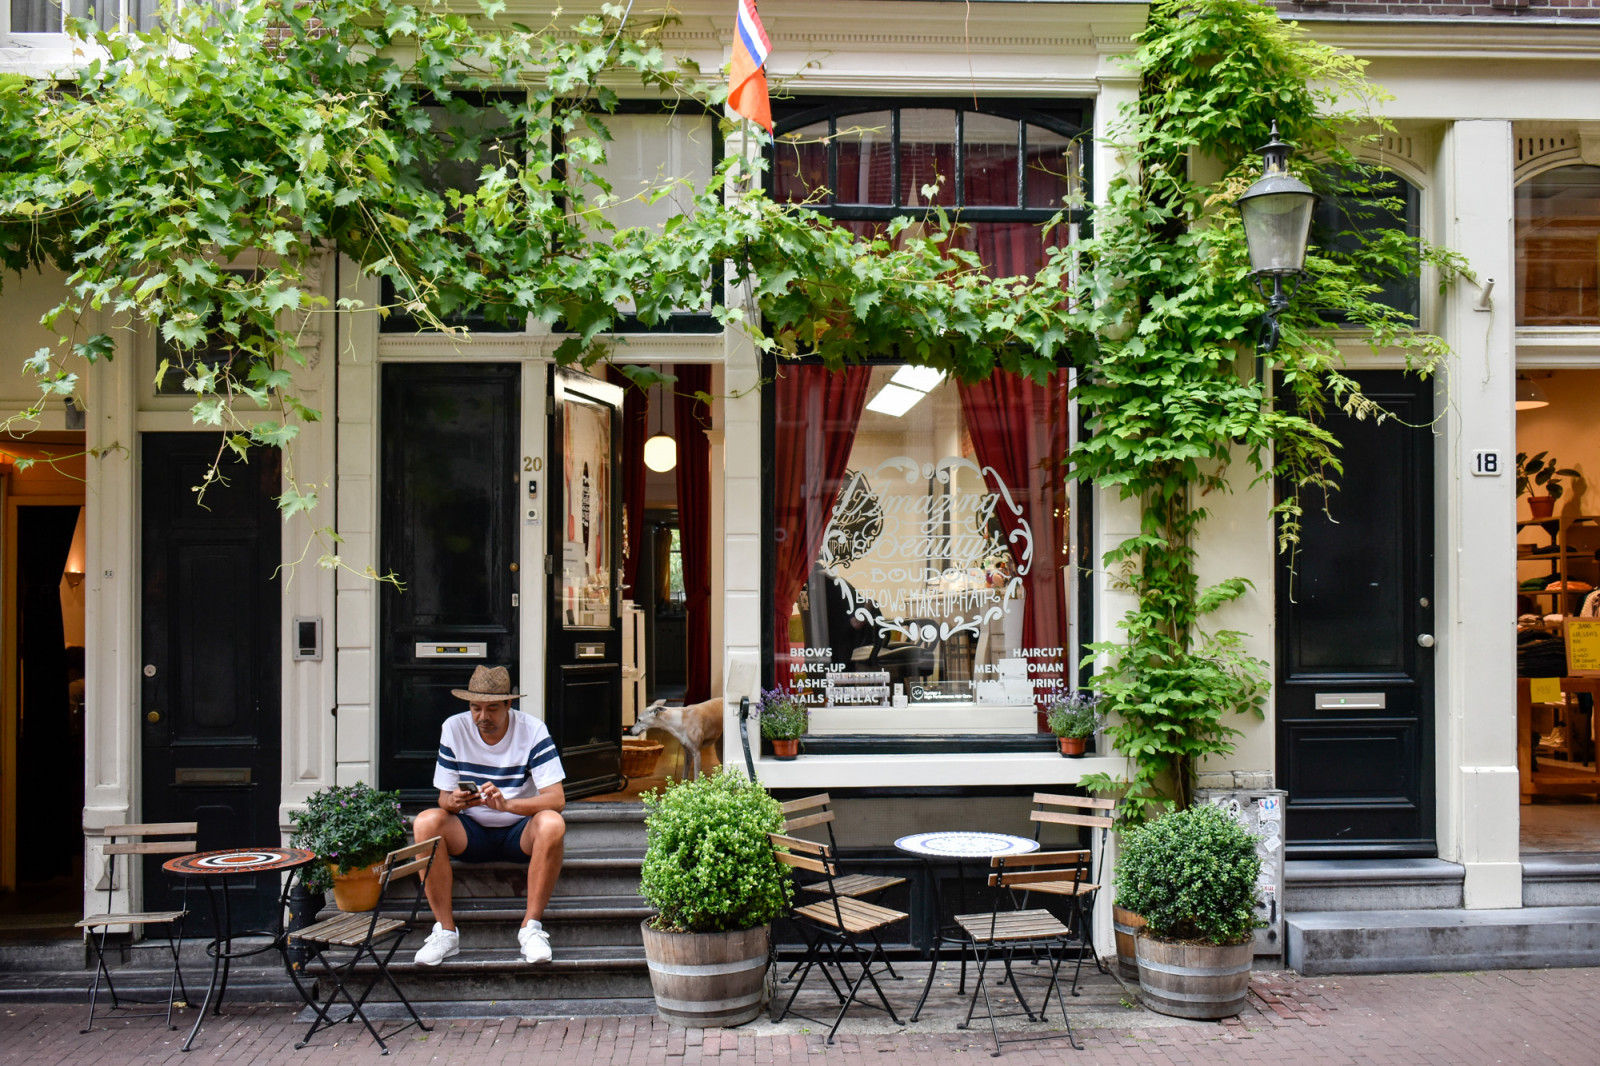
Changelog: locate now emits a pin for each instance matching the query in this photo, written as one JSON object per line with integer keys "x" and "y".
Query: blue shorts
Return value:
{"x": 493, "y": 843}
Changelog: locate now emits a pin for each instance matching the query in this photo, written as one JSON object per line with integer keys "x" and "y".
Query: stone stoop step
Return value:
{"x": 1561, "y": 880}
{"x": 1335, "y": 942}
{"x": 1372, "y": 885}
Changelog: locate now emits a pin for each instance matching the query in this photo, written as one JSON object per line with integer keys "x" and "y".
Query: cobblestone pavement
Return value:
{"x": 1515, "y": 1016}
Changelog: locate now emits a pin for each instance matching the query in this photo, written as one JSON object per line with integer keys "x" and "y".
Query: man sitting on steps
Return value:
{"x": 500, "y": 800}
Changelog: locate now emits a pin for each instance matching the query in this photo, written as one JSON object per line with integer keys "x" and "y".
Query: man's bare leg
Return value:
{"x": 543, "y": 839}
{"x": 436, "y": 821}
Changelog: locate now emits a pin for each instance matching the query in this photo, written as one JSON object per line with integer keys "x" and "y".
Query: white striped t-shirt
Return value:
{"x": 524, "y": 762}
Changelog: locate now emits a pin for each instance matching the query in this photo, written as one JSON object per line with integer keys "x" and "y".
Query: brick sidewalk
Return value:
{"x": 1513, "y": 1016}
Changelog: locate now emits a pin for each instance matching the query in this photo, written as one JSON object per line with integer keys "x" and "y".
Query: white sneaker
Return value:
{"x": 535, "y": 944}
{"x": 440, "y": 945}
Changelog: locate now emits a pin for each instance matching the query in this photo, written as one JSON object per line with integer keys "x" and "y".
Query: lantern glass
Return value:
{"x": 1277, "y": 225}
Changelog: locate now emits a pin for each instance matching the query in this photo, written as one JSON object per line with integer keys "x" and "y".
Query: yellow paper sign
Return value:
{"x": 1544, "y": 689}
{"x": 1583, "y": 647}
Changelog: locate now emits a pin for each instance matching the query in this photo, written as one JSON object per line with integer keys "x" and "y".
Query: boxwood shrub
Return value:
{"x": 1192, "y": 875}
{"x": 708, "y": 866}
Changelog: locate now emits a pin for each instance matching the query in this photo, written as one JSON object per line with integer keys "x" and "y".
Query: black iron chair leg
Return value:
{"x": 888, "y": 967}
{"x": 866, "y": 968}
{"x": 1071, "y": 1039}
{"x": 808, "y": 961}
{"x": 927, "y": 986}
{"x": 99, "y": 948}
{"x": 355, "y": 1005}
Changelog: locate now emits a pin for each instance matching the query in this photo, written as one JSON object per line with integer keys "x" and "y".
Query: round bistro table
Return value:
{"x": 960, "y": 846}
{"x": 215, "y": 868}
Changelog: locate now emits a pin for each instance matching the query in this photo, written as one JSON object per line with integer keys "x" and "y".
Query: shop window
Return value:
{"x": 1003, "y": 170}
{"x": 1388, "y": 202}
{"x": 1558, "y": 261}
{"x": 920, "y": 548}
{"x": 49, "y": 16}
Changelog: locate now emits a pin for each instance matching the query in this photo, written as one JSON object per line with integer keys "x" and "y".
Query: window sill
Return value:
{"x": 956, "y": 769}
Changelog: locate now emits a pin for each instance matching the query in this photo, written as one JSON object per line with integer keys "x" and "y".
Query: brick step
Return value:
{"x": 498, "y": 973}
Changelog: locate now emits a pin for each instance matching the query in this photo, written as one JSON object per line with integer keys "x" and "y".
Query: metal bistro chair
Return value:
{"x": 1100, "y": 817}
{"x": 835, "y": 925}
{"x": 99, "y": 925}
{"x": 361, "y": 932}
{"x": 815, "y": 810}
{"x": 1003, "y": 933}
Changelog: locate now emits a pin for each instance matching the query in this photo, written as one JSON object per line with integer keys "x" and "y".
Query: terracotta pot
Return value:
{"x": 1541, "y": 506}
{"x": 707, "y": 980}
{"x": 356, "y": 890}
{"x": 1128, "y": 926}
{"x": 1073, "y": 747}
{"x": 1194, "y": 980}
{"x": 785, "y": 749}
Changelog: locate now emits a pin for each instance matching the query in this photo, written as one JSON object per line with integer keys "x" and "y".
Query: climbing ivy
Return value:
{"x": 266, "y": 135}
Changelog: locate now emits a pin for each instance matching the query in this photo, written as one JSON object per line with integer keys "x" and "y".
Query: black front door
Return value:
{"x": 1355, "y": 618}
{"x": 583, "y": 708}
{"x": 449, "y": 536}
{"x": 211, "y": 651}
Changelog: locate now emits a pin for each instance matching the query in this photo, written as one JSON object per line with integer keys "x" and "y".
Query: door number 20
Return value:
{"x": 533, "y": 463}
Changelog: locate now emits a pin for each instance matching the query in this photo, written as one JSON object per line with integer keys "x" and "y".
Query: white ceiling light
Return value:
{"x": 894, "y": 400}
{"x": 921, "y": 378}
{"x": 660, "y": 451}
{"x": 1529, "y": 395}
{"x": 901, "y": 393}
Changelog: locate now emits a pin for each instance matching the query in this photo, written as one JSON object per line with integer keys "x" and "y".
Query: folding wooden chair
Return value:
{"x": 815, "y": 810}
{"x": 1085, "y": 812}
{"x": 833, "y": 928}
{"x": 177, "y": 994}
{"x": 1003, "y": 933}
{"x": 360, "y": 933}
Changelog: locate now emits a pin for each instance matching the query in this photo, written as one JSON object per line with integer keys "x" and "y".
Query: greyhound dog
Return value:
{"x": 692, "y": 727}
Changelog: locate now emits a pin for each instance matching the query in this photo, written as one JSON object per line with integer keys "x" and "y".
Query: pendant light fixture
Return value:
{"x": 1529, "y": 395}
{"x": 660, "y": 451}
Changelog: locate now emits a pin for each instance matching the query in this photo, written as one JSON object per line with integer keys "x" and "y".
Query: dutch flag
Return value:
{"x": 747, "y": 82}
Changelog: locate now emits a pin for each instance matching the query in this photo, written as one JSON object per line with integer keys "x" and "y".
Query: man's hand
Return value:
{"x": 493, "y": 798}
{"x": 459, "y": 800}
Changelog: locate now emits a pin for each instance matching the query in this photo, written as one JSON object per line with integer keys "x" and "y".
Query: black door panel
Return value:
{"x": 1354, "y": 697}
{"x": 450, "y": 445}
{"x": 211, "y": 652}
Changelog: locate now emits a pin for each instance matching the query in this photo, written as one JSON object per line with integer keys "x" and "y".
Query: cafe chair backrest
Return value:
{"x": 1089, "y": 812}
{"x": 133, "y": 834}
{"x": 808, "y": 811}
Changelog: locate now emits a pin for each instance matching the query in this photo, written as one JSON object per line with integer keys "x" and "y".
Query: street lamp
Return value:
{"x": 1277, "y": 227}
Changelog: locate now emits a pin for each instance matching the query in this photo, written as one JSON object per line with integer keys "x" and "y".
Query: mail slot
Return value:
{"x": 591, "y": 651}
{"x": 1352, "y": 701}
{"x": 467, "y": 650}
{"x": 211, "y": 775}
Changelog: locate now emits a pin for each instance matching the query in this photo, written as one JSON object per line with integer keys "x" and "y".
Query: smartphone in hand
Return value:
{"x": 468, "y": 786}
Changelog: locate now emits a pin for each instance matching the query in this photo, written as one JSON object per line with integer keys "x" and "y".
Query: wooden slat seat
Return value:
{"x": 1011, "y": 925}
{"x": 146, "y": 918}
{"x": 1062, "y": 888}
{"x": 859, "y": 915}
{"x": 347, "y": 930}
{"x": 857, "y": 884}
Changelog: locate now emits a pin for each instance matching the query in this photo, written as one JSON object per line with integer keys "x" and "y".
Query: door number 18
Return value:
{"x": 1487, "y": 464}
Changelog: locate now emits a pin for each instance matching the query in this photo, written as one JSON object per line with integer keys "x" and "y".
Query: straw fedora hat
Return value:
{"x": 488, "y": 684}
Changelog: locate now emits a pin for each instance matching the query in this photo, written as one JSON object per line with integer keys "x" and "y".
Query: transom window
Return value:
{"x": 1004, "y": 169}
{"x": 1392, "y": 203}
{"x": 1558, "y": 248}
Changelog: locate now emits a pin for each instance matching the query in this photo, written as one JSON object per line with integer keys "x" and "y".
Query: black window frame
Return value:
{"x": 1411, "y": 195}
{"x": 679, "y": 322}
{"x": 401, "y": 321}
{"x": 1070, "y": 118}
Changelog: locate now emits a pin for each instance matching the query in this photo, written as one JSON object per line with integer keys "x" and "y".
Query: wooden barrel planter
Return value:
{"x": 1128, "y": 926}
{"x": 1194, "y": 980}
{"x": 707, "y": 980}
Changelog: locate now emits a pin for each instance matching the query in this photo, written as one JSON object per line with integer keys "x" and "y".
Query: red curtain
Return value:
{"x": 1020, "y": 434}
{"x": 817, "y": 411}
{"x": 635, "y": 420}
{"x": 691, "y": 418}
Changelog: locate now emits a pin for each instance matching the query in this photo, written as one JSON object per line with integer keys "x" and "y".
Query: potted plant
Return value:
{"x": 1074, "y": 720}
{"x": 784, "y": 719}
{"x": 351, "y": 828}
{"x": 1191, "y": 875}
{"x": 1540, "y": 472}
{"x": 709, "y": 872}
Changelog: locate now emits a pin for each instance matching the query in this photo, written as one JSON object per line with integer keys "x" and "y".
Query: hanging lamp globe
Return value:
{"x": 661, "y": 453}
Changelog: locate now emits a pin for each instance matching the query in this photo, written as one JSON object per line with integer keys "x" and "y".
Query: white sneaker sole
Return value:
{"x": 449, "y": 954}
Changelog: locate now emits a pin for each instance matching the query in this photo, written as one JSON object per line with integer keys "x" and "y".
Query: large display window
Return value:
{"x": 921, "y": 555}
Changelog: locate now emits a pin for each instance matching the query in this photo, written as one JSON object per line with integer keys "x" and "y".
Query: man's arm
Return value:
{"x": 550, "y": 798}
